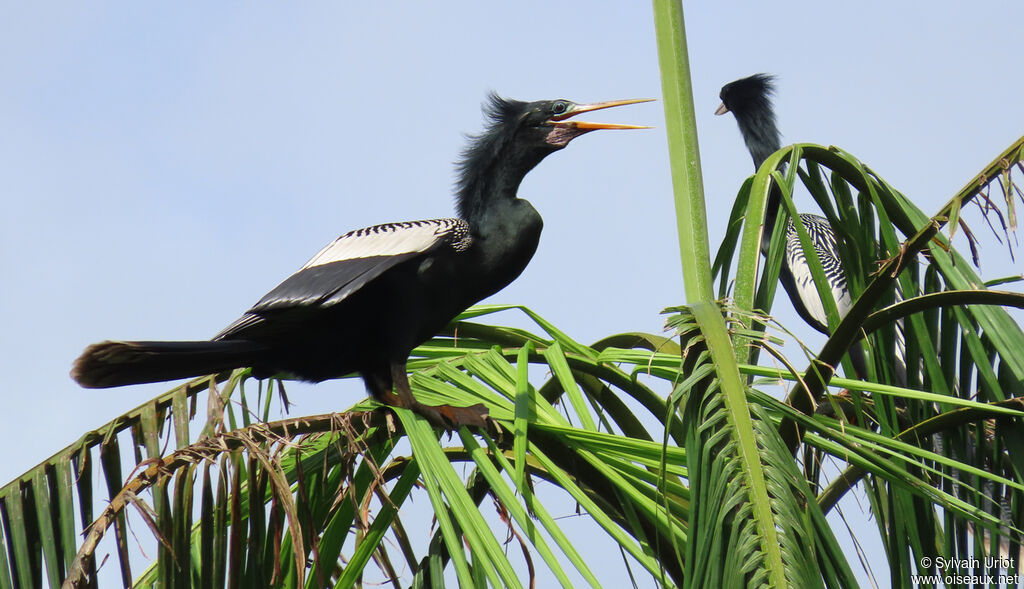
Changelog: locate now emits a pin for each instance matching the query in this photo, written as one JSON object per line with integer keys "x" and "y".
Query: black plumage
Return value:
{"x": 749, "y": 99}
{"x": 368, "y": 298}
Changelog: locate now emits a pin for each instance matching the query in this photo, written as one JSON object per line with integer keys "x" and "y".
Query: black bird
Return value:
{"x": 749, "y": 99}
{"x": 367, "y": 299}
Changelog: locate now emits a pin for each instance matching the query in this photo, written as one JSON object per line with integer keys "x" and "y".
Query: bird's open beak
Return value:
{"x": 722, "y": 109}
{"x": 561, "y": 120}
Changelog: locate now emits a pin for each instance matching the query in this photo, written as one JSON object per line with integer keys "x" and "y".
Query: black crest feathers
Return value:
{"x": 501, "y": 115}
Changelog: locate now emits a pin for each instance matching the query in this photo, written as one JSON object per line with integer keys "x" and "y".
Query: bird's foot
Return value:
{"x": 450, "y": 418}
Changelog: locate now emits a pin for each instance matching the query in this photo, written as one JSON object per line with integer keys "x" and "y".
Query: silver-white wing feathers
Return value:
{"x": 826, "y": 247}
{"x": 393, "y": 239}
{"x": 351, "y": 262}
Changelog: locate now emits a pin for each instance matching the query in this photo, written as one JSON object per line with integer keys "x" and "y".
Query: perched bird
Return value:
{"x": 367, "y": 299}
{"x": 749, "y": 100}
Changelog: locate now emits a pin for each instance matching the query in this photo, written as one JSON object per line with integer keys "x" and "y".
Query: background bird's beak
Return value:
{"x": 561, "y": 120}
{"x": 722, "y": 109}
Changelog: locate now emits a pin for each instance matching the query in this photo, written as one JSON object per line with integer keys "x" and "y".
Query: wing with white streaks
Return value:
{"x": 393, "y": 239}
{"x": 351, "y": 262}
{"x": 825, "y": 247}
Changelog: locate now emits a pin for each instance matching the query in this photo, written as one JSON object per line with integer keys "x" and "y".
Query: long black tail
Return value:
{"x": 114, "y": 364}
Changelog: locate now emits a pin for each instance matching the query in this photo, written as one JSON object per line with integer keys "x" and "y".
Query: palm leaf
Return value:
{"x": 280, "y": 493}
{"x": 960, "y": 337}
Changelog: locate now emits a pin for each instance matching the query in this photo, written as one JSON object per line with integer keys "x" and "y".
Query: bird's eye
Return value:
{"x": 559, "y": 107}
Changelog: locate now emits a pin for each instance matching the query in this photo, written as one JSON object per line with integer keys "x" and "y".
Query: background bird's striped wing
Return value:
{"x": 352, "y": 261}
{"x": 825, "y": 246}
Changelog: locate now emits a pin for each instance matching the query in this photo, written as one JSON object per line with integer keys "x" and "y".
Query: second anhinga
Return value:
{"x": 368, "y": 298}
{"x": 749, "y": 100}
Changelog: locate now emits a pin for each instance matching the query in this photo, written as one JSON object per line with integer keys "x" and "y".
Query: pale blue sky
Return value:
{"x": 164, "y": 165}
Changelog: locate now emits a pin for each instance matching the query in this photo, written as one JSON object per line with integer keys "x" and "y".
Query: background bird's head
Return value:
{"x": 747, "y": 95}
{"x": 749, "y": 100}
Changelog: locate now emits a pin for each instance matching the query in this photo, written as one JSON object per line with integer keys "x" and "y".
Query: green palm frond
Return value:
{"x": 961, "y": 345}
{"x": 755, "y": 518}
{"x": 278, "y": 506}
{"x": 285, "y": 501}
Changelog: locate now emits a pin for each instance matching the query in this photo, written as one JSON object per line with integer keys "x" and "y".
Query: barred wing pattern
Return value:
{"x": 825, "y": 246}
{"x": 393, "y": 239}
{"x": 352, "y": 261}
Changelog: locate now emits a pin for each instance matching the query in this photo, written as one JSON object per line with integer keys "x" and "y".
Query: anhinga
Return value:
{"x": 368, "y": 298}
{"x": 749, "y": 99}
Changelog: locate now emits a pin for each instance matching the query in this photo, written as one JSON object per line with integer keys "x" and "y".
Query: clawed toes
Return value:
{"x": 450, "y": 418}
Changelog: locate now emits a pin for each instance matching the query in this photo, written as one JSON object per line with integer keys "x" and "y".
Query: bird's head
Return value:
{"x": 551, "y": 120}
{"x": 747, "y": 95}
{"x": 749, "y": 99}
{"x": 518, "y": 136}
{"x": 544, "y": 126}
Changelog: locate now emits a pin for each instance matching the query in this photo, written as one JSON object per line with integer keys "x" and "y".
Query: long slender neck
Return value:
{"x": 505, "y": 229}
{"x": 761, "y": 134}
{"x": 492, "y": 168}
{"x": 485, "y": 190}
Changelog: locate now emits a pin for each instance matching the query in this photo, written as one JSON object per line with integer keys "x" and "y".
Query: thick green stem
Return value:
{"x": 681, "y": 127}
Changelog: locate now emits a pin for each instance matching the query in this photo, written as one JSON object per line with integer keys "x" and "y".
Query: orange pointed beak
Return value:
{"x": 562, "y": 119}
